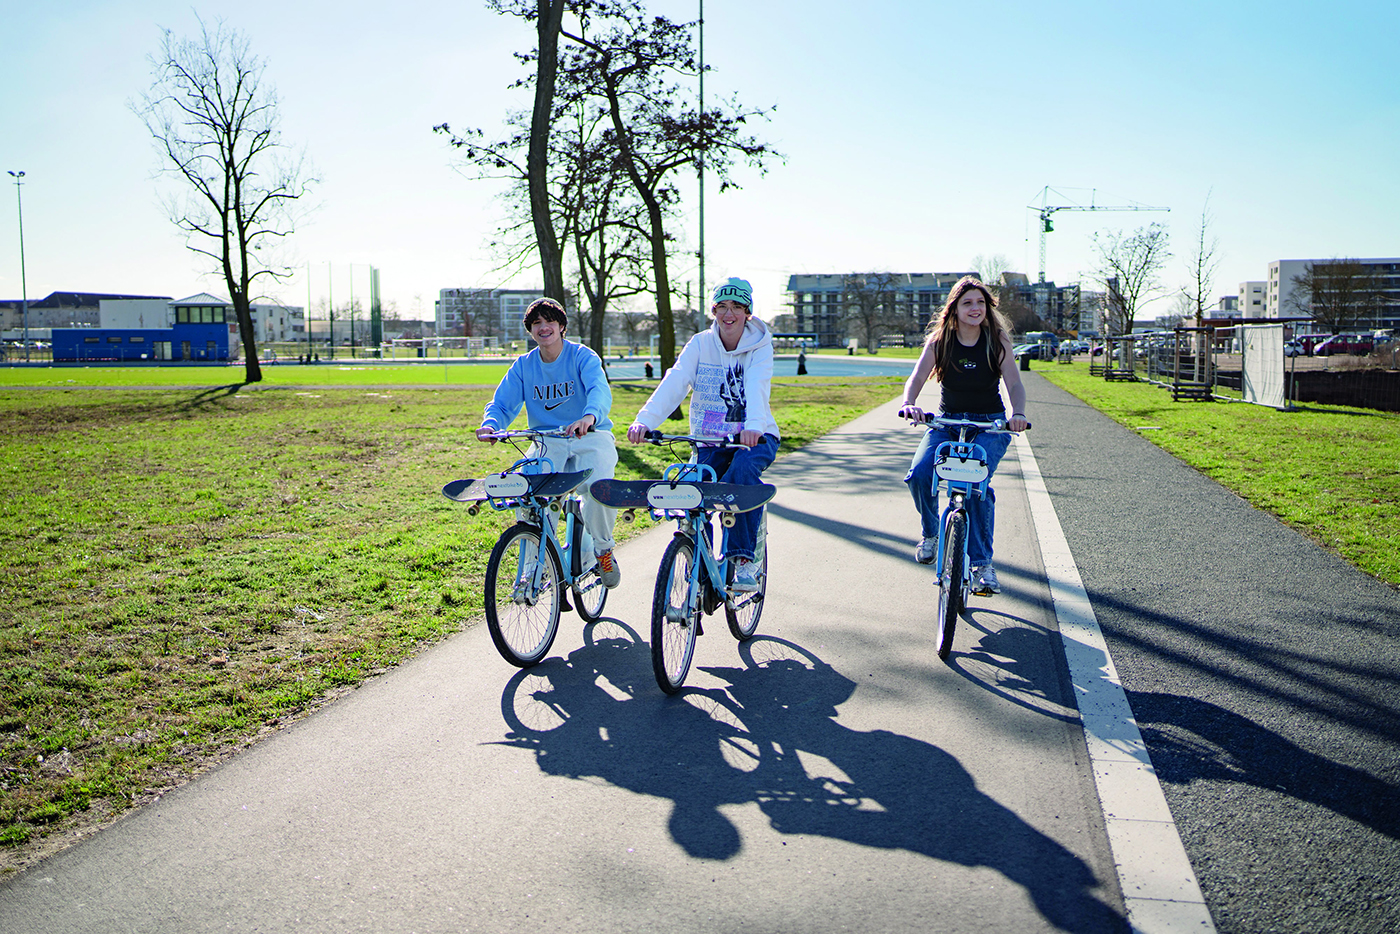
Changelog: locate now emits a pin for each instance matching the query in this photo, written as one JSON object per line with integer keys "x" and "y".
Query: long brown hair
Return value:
{"x": 942, "y": 330}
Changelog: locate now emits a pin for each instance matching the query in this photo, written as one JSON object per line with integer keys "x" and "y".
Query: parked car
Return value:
{"x": 1306, "y": 342}
{"x": 1037, "y": 351}
{"x": 1345, "y": 343}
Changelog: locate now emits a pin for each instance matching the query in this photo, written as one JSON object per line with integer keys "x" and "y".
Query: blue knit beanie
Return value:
{"x": 734, "y": 290}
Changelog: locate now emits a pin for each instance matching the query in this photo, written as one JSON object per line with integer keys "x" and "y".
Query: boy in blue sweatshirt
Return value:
{"x": 562, "y": 385}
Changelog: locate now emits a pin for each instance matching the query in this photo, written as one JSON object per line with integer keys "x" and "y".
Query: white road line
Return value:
{"x": 1160, "y": 889}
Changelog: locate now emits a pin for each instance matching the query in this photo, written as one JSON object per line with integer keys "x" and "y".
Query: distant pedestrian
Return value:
{"x": 968, "y": 350}
{"x": 801, "y": 363}
{"x": 651, "y": 374}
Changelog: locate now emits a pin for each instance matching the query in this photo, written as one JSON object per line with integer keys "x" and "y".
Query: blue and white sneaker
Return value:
{"x": 984, "y": 581}
{"x": 745, "y": 576}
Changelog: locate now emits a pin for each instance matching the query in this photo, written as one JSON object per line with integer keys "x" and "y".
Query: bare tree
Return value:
{"x": 637, "y": 326}
{"x": 990, "y": 268}
{"x": 1337, "y": 294}
{"x": 868, "y": 300}
{"x": 1019, "y": 315}
{"x": 629, "y": 67}
{"x": 548, "y": 19}
{"x": 1129, "y": 267}
{"x": 1204, "y": 263}
{"x": 217, "y": 125}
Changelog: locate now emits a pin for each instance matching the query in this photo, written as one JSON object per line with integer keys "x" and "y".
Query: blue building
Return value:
{"x": 198, "y": 331}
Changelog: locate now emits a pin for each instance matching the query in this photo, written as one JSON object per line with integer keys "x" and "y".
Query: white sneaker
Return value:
{"x": 984, "y": 580}
{"x": 745, "y": 576}
{"x": 927, "y": 551}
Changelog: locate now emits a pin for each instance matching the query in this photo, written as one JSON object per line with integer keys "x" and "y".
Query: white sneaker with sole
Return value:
{"x": 745, "y": 576}
{"x": 984, "y": 580}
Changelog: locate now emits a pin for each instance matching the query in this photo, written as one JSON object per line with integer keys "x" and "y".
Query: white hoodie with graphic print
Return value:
{"x": 731, "y": 387}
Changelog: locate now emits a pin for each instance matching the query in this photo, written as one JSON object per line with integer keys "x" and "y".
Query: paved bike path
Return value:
{"x": 831, "y": 775}
{"x": 1261, "y": 669}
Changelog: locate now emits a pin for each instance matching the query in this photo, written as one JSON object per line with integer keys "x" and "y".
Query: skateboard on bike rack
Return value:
{"x": 498, "y": 487}
{"x": 665, "y": 494}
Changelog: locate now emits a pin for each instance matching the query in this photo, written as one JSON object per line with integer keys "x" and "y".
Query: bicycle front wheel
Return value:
{"x": 748, "y": 606}
{"x": 950, "y": 580}
{"x": 522, "y": 608}
{"x": 674, "y": 623}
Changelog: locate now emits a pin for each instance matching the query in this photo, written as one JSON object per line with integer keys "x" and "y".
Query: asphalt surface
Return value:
{"x": 1264, "y": 673}
{"x": 832, "y": 774}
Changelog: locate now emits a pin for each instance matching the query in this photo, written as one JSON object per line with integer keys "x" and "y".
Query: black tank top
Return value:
{"x": 971, "y": 383}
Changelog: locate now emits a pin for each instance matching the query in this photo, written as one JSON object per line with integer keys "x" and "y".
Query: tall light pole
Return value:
{"x": 23, "y": 285}
{"x": 701, "y": 161}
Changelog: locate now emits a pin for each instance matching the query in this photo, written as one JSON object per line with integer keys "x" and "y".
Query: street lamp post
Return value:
{"x": 23, "y": 284}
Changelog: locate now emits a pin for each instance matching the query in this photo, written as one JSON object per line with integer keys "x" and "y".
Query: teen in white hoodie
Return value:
{"x": 730, "y": 368}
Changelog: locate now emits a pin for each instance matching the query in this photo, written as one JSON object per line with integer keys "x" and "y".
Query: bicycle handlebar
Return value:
{"x": 996, "y": 426}
{"x": 502, "y": 434}
{"x": 728, "y": 441}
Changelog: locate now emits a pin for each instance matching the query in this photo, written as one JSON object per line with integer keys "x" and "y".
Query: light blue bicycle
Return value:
{"x": 534, "y": 562}
{"x": 961, "y": 467}
{"x": 692, "y": 580}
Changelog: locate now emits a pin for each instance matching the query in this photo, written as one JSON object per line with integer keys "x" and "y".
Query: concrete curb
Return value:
{"x": 1159, "y": 887}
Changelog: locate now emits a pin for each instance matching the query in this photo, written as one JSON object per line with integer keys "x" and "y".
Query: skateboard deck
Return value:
{"x": 514, "y": 486}
{"x": 662, "y": 494}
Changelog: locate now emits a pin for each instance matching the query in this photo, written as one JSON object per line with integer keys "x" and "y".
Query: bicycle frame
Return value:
{"x": 697, "y": 522}
{"x": 958, "y": 465}
{"x": 535, "y": 510}
{"x": 963, "y": 472}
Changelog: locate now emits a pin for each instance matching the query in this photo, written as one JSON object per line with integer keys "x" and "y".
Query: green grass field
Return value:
{"x": 339, "y": 373}
{"x": 1331, "y": 472}
{"x": 185, "y": 568}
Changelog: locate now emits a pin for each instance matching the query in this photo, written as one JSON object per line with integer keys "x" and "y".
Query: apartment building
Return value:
{"x": 484, "y": 312}
{"x": 1382, "y": 310}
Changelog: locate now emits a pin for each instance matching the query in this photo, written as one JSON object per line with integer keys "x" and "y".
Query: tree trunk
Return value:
{"x": 252, "y": 370}
{"x": 550, "y": 21}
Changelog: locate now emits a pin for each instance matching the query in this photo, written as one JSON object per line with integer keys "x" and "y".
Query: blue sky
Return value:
{"x": 915, "y": 135}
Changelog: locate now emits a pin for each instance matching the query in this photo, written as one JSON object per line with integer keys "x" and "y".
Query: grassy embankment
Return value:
{"x": 183, "y": 569}
{"x": 1331, "y": 472}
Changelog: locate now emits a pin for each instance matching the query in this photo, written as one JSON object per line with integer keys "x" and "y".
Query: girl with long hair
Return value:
{"x": 968, "y": 351}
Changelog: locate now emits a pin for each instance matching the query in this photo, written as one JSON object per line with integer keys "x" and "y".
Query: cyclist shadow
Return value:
{"x": 1010, "y": 661}
{"x": 771, "y": 738}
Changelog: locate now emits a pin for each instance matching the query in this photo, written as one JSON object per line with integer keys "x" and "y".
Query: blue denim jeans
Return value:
{"x": 746, "y": 466}
{"x": 923, "y": 485}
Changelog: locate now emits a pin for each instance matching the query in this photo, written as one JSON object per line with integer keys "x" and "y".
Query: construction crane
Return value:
{"x": 1047, "y": 211}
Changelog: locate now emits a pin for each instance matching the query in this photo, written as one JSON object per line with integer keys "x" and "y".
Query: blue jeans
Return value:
{"x": 923, "y": 484}
{"x": 746, "y": 466}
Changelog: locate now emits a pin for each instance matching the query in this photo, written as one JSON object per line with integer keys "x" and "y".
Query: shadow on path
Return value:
{"x": 771, "y": 738}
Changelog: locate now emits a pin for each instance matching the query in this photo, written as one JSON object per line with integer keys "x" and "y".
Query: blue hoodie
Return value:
{"x": 553, "y": 394}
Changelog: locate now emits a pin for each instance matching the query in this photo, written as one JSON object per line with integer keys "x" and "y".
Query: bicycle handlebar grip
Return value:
{"x": 654, "y": 435}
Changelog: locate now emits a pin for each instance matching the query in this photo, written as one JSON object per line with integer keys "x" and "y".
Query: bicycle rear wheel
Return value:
{"x": 589, "y": 592}
{"x": 748, "y": 607}
{"x": 674, "y": 624}
{"x": 523, "y": 618}
{"x": 950, "y": 580}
